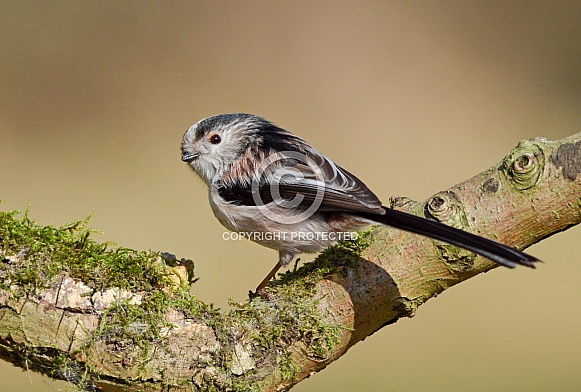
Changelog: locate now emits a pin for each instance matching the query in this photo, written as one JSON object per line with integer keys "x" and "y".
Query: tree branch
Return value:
{"x": 92, "y": 314}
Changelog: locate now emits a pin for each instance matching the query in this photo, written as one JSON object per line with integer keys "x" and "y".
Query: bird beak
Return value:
{"x": 189, "y": 157}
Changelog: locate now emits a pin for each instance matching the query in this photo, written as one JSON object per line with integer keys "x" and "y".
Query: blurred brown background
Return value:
{"x": 412, "y": 97}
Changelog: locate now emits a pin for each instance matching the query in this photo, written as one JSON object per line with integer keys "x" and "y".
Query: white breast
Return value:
{"x": 307, "y": 236}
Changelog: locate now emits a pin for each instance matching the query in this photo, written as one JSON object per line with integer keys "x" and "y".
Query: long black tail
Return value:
{"x": 493, "y": 250}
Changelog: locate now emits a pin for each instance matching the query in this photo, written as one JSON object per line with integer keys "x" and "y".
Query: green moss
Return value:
{"x": 48, "y": 251}
{"x": 72, "y": 371}
{"x": 340, "y": 255}
{"x": 34, "y": 256}
{"x": 291, "y": 316}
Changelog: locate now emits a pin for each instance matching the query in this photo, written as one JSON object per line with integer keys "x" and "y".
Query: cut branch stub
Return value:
{"x": 524, "y": 166}
{"x": 447, "y": 208}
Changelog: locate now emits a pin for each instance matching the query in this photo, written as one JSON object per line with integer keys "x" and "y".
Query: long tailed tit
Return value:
{"x": 272, "y": 185}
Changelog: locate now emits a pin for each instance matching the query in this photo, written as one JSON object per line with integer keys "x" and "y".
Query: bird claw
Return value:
{"x": 259, "y": 293}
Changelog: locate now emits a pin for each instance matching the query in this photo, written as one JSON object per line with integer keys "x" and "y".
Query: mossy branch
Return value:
{"x": 96, "y": 314}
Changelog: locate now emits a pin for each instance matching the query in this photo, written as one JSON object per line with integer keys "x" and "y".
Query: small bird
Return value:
{"x": 275, "y": 189}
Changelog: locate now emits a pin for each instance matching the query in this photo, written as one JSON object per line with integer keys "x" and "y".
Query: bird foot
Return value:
{"x": 259, "y": 293}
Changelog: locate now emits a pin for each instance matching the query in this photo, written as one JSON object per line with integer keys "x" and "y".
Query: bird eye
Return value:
{"x": 215, "y": 139}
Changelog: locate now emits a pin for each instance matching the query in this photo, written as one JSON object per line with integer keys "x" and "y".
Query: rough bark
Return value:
{"x": 72, "y": 331}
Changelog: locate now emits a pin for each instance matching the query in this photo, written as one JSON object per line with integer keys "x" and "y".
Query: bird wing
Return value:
{"x": 302, "y": 180}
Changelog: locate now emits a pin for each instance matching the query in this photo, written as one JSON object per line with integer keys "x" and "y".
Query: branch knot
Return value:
{"x": 524, "y": 165}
